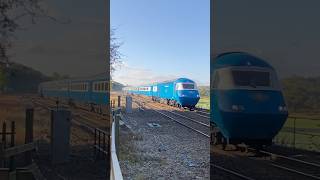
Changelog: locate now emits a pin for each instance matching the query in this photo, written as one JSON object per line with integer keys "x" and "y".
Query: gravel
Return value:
{"x": 170, "y": 151}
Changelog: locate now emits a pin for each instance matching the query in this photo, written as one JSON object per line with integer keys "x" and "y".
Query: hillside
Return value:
{"x": 17, "y": 78}
{"x": 115, "y": 86}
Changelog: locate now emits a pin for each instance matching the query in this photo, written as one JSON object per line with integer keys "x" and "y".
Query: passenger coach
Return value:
{"x": 91, "y": 90}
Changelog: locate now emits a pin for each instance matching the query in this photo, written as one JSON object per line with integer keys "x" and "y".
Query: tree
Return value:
{"x": 115, "y": 55}
{"x": 11, "y": 14}
{"x": 57, "y": 76}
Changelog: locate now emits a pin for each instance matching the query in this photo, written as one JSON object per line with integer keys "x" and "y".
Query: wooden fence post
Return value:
{"x": 12, "y": 158}
{"x": 119, "y": 101}
{"x": 29, "y": 134}
{"x": 2, "y": 158}
{"x": 294, "y": 133}
{"x": 95, "y": 144}
{"x": 4, "y": 141}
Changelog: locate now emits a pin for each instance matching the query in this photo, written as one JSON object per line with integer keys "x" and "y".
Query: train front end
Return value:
{"x": 248, "y": 105}
{"x": 187, "y": 94}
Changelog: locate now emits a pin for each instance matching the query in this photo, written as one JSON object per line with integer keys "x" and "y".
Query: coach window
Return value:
{"x": 106, "y": 85}
{"x": 102, "y": 86}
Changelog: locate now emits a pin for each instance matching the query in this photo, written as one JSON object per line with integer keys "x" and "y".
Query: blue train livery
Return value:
{"x": 181, "y": 92}
{"x": 92, "y": 90}
{"x": 247, "y": 104}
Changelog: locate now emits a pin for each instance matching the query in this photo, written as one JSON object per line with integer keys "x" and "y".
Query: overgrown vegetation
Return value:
{"x": 302, "y": 94}
{"x": 115, "y": 86}
{"x": 204, "y": 101}
{"x": 12, "y": 14}
{"x": 19, "y": 78}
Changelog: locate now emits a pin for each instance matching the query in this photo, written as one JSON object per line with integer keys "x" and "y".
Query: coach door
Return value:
{"x": 154, "y": 91}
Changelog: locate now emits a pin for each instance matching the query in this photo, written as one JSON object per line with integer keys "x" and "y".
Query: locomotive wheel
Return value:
{"x": 224, "y": 143}
{"x": 217, "y": 138}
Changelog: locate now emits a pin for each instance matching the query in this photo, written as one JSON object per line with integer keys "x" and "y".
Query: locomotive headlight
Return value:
{"x": 283, "y": 109}
{"x": 237, "y": 108}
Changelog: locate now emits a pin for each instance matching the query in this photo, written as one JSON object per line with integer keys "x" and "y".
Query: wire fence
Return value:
{"x": 300, "y": 132}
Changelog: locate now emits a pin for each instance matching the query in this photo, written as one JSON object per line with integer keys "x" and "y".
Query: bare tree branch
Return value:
{"x": 115, "y": 55}
{"x": 11, "y": 11}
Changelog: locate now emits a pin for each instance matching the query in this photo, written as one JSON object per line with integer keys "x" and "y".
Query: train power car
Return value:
{"x": 91, "y": 90}
{"x": 181, "y": 92}
{"x": 246, "y": 99}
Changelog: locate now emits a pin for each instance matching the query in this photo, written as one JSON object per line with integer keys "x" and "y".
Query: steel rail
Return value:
{"x": 208, "y": 117}
{"x": 193, "y": 120}
{"x": 295, "y": 171}
{"x": 196, "y": 130}
{"x": 232, "y": 172}
{"x": 292, "y": 159}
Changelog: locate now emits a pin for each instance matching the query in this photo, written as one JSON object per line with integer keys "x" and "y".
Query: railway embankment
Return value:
{"x": 154, "y": 146}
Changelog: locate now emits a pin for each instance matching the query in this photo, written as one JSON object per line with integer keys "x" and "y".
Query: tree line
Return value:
{"x": 302, "y": 94}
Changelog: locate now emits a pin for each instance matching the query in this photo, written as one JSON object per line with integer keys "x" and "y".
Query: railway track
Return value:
{"x": 203, "y": 118}
{"x": 202, "y": 112}
{"x": 304, "y": 168}
{"x": 201, "y": 128}
{"x": 295, "y": 168}
{"x": 80, "y": 117}
{"x": 229, "y": 171}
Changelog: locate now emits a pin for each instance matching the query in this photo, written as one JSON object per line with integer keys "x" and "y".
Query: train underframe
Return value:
{"x": 217, "y": 138}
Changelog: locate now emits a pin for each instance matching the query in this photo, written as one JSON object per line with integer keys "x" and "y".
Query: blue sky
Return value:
{"x": 162, "y": 39}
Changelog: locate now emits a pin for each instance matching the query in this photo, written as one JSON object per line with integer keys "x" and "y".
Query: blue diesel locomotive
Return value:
{"x": 181, "y": 92}
{"x": 246, "y": 100}
{"x": 91, "y": 90}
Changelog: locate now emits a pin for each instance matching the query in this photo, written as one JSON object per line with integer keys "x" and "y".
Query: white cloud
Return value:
{"x": 134, "y": 76}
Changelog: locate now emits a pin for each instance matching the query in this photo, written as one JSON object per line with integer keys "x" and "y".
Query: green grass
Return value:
{"x": 306, "y": 142}
{"x": 204, "y": 102}
{"x": 302, "y": 141}
{"x": 303, "y": 122}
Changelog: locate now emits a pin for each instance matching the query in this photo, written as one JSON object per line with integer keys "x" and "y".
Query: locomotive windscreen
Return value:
{"x": 185, "y": 86}
{"x": 188, "y": 86}
{"x": 251, "y": 78}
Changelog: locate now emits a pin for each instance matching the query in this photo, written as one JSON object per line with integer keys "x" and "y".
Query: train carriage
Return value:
{"x": 91, "y": 90}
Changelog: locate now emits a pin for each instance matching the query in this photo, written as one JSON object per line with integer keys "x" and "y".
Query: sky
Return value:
{"x": 162, "y": 40}
{"x": 76, "y": 48}
{"x": 165, "y": 39}
{"x": 285, "y": 33}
